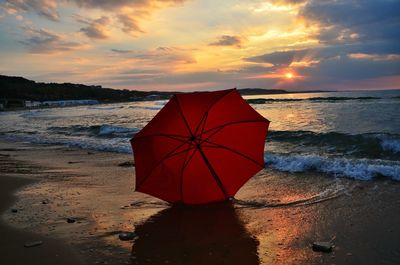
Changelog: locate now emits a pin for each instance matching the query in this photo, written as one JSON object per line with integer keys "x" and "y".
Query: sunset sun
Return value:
{"x": 289, "y": 75}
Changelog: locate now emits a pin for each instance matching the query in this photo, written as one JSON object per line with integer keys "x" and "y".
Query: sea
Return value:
{"x": 340, "y": 134}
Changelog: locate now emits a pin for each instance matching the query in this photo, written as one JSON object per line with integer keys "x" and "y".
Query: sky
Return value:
{"x": 187, "y": 45}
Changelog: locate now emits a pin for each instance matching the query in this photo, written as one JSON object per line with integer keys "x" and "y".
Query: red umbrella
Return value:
{"x": 200, "y": 147}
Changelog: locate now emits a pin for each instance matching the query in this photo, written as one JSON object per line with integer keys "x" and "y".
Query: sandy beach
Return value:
{"x": 199, "y": 132}
{"x": 42, "y": 186}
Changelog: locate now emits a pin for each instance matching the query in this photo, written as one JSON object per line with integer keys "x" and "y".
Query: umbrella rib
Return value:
{"x": 202, "y": 121}
{"x": 183, "y": 116}
{"x": 169, "y": 155}
{"x": 185, "y": 164}
{"x": 182, "y": 170}
{"x": 190, "y": 158}
{"x": 220, "y": 127}
{"x": 233, "y": 151}
{"x": 213, "y": 173}
{"x": 204, "y": 125}
{"x": 171, "y": 136}
{"x": 205, "y": 115}
{"x": 211, "y": 135}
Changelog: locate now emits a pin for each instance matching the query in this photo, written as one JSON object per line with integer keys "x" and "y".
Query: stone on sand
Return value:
{"x": 126, "y": 164}
{"x": 322, "y": 246}
{"x": 71, "y": 220}
{"x": 125, "y": 236}
{"x": 33, "y": 244}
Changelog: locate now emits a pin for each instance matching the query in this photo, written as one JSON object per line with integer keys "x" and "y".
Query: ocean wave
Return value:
{"x": 145, "y": 107}
{"x": 315, "y": 99}
{"x": 370, "y": 145}
{"x": 361, "y": 169}
{"x": 104, "y": 130}
{"x": 32, "y": 113}
{"x": 390, "y": 143}
{"x": 106, "y": 108}
{"x": 160, "y": 102}
{"x": 83, "y": 143}
{"x": 112, "y": 130}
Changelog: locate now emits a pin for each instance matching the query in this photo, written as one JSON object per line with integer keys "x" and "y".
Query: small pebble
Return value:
{"x": 125, "y": 236}
{"x": 126, "y": 164}
{"x": 322, "y": 246}
{"x": 33, "y": 244}
{"x": 71, "y": 220}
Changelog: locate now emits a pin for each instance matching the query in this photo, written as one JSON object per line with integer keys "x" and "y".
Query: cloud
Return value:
{"x": 227, "y": 40}
{"x": 278, "y": 58}
{"x": 158, "y": 56}
{"x": 122, "y": 51}
{"x": 351, "y": 21}
{"x": 129, "y": 13}
{"x": 44, "y": 8}
{"x": 349, "y": 68}
{"x": 129, "y": 23}
{"x": 117, "y": 4}
{"x": 96, "y": 28}
{"x": 43, "y": 41}
{"x": 328, "y": 65}
{"x": 369, "y": 51}
{"x": 374, "y": 57}
{"x": 288, "y": 2}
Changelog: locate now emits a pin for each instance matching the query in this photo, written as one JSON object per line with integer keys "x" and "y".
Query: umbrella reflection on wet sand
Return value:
{"x": 208, "y": 234}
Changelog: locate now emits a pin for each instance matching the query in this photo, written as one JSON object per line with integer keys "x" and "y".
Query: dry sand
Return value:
{"x": 55, "y": 183}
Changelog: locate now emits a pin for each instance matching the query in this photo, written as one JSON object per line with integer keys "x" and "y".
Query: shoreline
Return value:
{"x": 161, "y": 98}
{"x": 361, "y": 220}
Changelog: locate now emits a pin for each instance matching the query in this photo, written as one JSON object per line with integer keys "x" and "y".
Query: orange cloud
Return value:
{"x": 129, "y": 13}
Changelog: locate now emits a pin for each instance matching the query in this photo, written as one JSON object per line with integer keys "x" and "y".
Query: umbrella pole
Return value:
{"x": 213, "y": 173}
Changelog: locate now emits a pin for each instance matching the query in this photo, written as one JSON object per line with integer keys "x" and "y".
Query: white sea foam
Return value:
{"x": 390, "y": 144}
{"x": 160, "y": 102}
{"x": 32, "y": 113}
{"x": 105, "y": 108}
{"x": 361, "y": 169}
{"x": 145, "y": 107}
{"x": 108, "y": 129}
{"x": 64, "y": 103}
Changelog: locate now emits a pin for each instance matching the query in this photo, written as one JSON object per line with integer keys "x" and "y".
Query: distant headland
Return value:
{"x": 18, "y": 91}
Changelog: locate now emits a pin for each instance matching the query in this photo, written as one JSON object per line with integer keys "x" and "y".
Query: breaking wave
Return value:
{"x": 361, "y": 169}
{"x": 370, "y": 145}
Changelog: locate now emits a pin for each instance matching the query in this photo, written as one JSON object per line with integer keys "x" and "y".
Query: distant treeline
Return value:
{"x": 20, "y": 88}
{"x": 12, "y": 87}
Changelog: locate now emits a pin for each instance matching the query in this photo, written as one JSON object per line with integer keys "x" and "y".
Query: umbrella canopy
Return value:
{"x": 200, "y": 147}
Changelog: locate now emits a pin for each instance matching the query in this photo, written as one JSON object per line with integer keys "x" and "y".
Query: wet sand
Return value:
{"x": 53, "y": 183}
{"x": 12, "y": 240}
